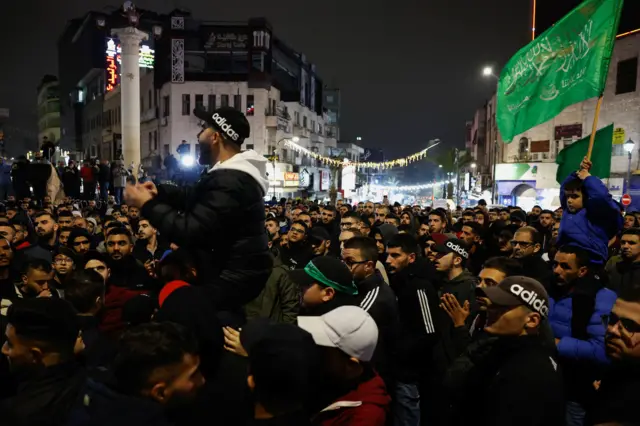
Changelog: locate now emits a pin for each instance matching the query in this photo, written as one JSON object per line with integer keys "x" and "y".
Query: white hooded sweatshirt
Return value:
{"x": 249, "y": 162}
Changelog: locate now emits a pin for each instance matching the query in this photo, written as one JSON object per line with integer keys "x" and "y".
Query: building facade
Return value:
{"x": 523, "y": 171}
{"x": 49, "y": 109}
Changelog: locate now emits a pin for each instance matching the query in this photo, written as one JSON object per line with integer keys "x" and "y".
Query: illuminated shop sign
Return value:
{"x": 114, "y": 61}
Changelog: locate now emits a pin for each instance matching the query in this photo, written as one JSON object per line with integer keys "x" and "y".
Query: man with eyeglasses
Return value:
{"x": 578, "y": 300}
{"x": 527, "y": 249}
{"x": 63, "y": 264}
{"x": 296, "y": 253}
{"x": 617, "y": 398}
{"x": 360, "y": 254}
{"x": 349, "y": 221}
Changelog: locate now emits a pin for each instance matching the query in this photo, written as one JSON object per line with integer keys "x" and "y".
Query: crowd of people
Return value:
{"x": 208, "y": 306}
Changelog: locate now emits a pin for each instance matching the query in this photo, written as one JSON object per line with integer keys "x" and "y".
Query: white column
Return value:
{"x": 130, "y": 39}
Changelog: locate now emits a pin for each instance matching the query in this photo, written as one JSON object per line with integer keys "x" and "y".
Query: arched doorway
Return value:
{"x": 524, "y": 196}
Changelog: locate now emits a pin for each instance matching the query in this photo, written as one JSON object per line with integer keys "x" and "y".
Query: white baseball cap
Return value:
{"x": 348, "y": 328}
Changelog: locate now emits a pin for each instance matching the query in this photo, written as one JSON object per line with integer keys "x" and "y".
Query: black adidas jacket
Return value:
{"x": 376, "y": 297}
{"x": 417, "y": 306}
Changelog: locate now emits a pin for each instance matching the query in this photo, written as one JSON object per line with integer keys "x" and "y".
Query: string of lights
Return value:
{"x": 399, "y": 162}
{"x": 418, "y": 187}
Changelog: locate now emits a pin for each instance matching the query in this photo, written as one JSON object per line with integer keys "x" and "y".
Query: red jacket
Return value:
{"x": 367, "y": 405}
{"x": 114, "y": 300}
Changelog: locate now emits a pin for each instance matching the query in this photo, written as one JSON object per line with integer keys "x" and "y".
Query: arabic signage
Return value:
{"x": 114, "y": 61}
{"x": 226, "y": 41}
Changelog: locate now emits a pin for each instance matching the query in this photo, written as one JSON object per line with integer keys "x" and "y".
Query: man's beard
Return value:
{"x": 46, "y": 237}
{"x": 205, "y": 154}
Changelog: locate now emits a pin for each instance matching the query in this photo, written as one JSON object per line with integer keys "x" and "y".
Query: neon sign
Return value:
{"x": 114, "y": 61}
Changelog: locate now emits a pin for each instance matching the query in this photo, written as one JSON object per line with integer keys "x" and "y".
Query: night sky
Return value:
{"x": 409, "y": 70}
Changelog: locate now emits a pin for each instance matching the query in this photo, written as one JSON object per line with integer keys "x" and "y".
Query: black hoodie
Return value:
{"x": 417, "y": 304}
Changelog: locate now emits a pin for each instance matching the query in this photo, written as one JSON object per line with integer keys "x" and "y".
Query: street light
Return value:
{"x": 628, "y": 147}
{"x": 440, "y": 165}
{"x": 488, "y": 72}
{"x": 358, "y": 138}
{"x": 473, "y": 165}
{"x": 295, "y": 139}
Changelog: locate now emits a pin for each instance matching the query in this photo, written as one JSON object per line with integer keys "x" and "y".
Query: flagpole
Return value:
{"x": 595, "y": 127}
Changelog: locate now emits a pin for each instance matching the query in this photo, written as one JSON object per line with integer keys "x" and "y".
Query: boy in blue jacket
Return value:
{"x": 591, "y": 218}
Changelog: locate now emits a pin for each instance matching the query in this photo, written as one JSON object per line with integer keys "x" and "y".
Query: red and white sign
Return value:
{"x": 626, "y": 200}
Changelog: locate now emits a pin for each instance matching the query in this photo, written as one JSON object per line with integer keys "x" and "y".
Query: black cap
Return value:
{"x": 282, "y": 357}
{"x": 453, "y": 245}
{"x": 326, "y": 271}
{"x": 229, "y": 121}
{"x": 319, "y": 234}
{"x": 518, "y": 215}
{"x": 93, "y": 255}
{"x": 45, "y": 318}
{"x": 517, "y": 291}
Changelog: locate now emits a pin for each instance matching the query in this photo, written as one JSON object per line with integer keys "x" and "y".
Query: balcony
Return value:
{"x": 301, "y": 132}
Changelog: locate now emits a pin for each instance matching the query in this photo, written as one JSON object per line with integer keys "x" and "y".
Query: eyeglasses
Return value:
{"x": 629, "y": 325}
{"x": 297, "y": 230}
{"x": 61, "y": 261}
{"x": 347, "y": 224}
{"x": 523, "y": 244}
{"x": 352, "y": 263}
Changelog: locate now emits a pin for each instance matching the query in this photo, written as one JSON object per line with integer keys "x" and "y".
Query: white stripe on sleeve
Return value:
{"x": 426, "y": 312}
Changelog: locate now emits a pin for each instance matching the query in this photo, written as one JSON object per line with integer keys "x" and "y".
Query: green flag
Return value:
{"x": 569, "y": 159}
{"x": 565, "y": 65}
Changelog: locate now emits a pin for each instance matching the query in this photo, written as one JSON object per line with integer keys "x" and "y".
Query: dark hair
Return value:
{"x": 51, "y": 322}
{"x": 476, "y": 228}
{"x": 76, "y": 233}
{"x": 353, "y": 215}
{"x": 272, "y": 219}
{"x": 146, "y": 348}
{"x": 536, "y": 206}
{"x": 38, "y": 265}
{"x": 536, "y": 237}
{"x": 301, "y": 223}
{"x": 582, "y": 256}
{"x": 329, "y": 208}
{"x": 82, "y": 288}
{"x": 494, "y": 210}
{"x": 575, "y": 185}
{"x": 405, "y": 242}
{"x": 632, "y": 231}
{"x": 393, "y": 217}
{"x": 468, "y": 212}
{"x": 65, "y": 213}
{"x": 119, "y": 231}
{"x": 441, "y": 214}
{"x": 509, "y": 267}
{"x": 364, "y": 218}
{"x": 8, "y": 224}
{"x": 366, "y": 245}
{"x": 44, "y": 213}
{"x": 505, "y": 210}
{"x": 314, "y": 209}
{"x": 545, "y": 211}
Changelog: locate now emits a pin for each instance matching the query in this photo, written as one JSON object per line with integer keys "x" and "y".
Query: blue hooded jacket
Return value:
{"x": 595, "y": 224}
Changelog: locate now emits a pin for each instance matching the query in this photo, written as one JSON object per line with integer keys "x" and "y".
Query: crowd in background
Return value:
{"x": 373, "y": 314}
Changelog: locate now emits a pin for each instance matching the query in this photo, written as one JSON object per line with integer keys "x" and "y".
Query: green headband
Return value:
{"x": 315, "y": 273}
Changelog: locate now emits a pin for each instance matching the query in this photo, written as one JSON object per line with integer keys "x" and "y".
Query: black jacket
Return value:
{"x": 516, "y": 382}
{"x": 624, "y": 275}
{"x": 130, "y": 273}
{"x": 44, "y": 399}
{"x": 447, "y": 349}
{"x": 617, "y": 400}
{"x": 221, "y": 222}
{"x": 376, "y": 297}
{"x": 535, "y": 267}
{"x": 417, "y": 304}
{"x": 99, "y": 405}
{"x": 143, "y": 255}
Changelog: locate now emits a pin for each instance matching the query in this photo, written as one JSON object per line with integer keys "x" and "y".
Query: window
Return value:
{"x": 167, "y": 149}
{"x": 297, "y": 117}
{"x": 150, "y": 100}
{"x": 618, "y": 150}
{"x": 155, "y": 140}
{"x": 304, "y": 121}
{"x": 237, "y": 102}
{"x": 200, "y": 101}
{"x": 250, "y": 106}
{"x": 166, "y": 107}
{"x": 224, "y": 100}
{"x": 150, "y": 141}
{"x": 627, "y": 76}
{"x": 141, "y": 104}
{"x": 320, "y": 129}
{"x": 313, "y": 126}
{"x": 211, "y": 103}
{"x": 155, "y": 98}
{"x": 329, "y": 98}
{"x": 186, "y": 104}
{"x": 250, "y": 146}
